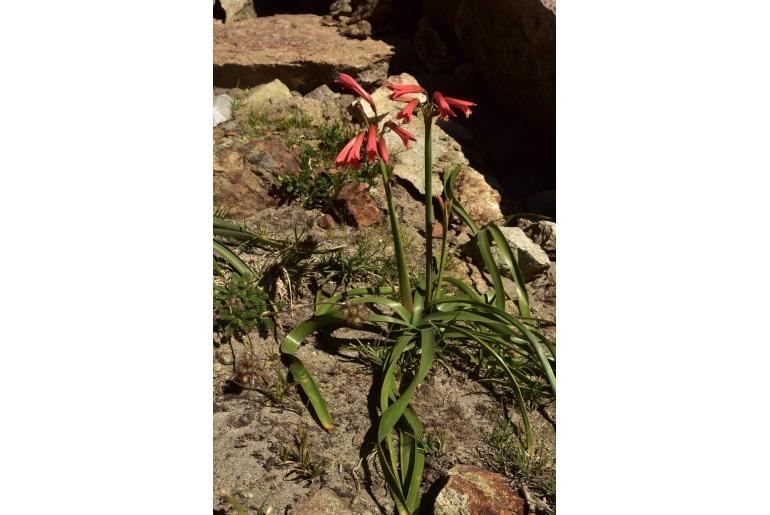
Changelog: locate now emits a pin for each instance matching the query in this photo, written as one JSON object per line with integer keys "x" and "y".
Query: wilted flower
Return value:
{"x": 402, "y": 133}
{"x": 406, "y": 112}
{"x": 350, "y": 83}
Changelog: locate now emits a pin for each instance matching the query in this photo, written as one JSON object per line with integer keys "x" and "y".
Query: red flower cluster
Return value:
{"x": 351, "y": 153}
{"x": 444, "y": 104}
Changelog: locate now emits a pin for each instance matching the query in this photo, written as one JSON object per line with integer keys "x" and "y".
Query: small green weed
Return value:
{"x": 371, "y": 352}
{"x": 366, "y": 261}
{"x": 297, "y": 120}
{"x": 240, "y": 306}
{"x": 255, "y": 123}
{"x": 314, "y": 187}
{"x": 536, "y": 471}
{"x": 280, "y": 390}
{"x": 433, "y": 445}
{"x": 303, "y": 464}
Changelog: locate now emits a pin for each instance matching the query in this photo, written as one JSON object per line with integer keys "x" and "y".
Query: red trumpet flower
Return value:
{"x": 351, "y": 152}
{"x": 350, "y": 83}
{"x": 383, "y": 149}
{"x": 443, "y": 106}
{"x": 399, "y": 90}
{"x": 462, "y": 105}
{"x": 404, "y": 134}
{"x": 406, "y": 112}
{"x": 371, "y": 144}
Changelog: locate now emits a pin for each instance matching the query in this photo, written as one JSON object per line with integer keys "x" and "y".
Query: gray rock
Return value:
{"x": 532, "y": 260}
{"x": 340, "y": 7}
{"x": 264, "y": 96}
{"x": 237, "y": 10}
{"x": 323, "y": 94}
{"x": 322, "y": 502}
{"x": 223, "y": 109}
{"x": 541, "y": 232}
{"x": 359, "y": 30}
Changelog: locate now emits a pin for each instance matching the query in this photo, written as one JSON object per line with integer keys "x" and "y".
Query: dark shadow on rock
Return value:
{"x": 219, "y": 12}
{"x": 240, "y": 76}
{"x": 271, "y": 7}
{"x": 428, "y": 500}
{"x": 370, "y": 438}
{"x": 516, "y": 150}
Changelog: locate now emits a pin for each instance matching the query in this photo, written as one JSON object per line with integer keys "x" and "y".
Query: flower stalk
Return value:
{"x": 404, "y": 287}
{"x": 428, "y": 207}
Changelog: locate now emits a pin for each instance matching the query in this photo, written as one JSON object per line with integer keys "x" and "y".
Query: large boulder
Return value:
{"x": 299, "y": 50}
{"x": 474, "y": 491}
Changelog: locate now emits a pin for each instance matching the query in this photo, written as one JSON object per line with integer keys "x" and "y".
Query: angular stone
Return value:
{"x": 532, "y": 260}
{"x": 236, "y": 187}
{"x": 264, "y": 96}
{"x": 322, "y": 502}
{"x": 541, "y": 232}
{"x": 340, "y": 7}
{"x": 223, "y": 109}
{"x": 238, "y": 10}
{"x": 358, "y": 205}
{"x": 475, "y": 491}
{"x": 326, "y": 222}
{"x": 478, "y": 198}
{"x": 360, "y": 30}
{"x": 297, "y": 49}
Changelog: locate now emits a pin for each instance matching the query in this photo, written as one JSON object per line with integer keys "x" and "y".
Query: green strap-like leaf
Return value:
{"x": 393, "y": 413}
{"x": 514, "y": 383}
{"x": 507, "y": 254}
{"x": 290, "y": 346}
{"x": 482, "y": 242}
{"x": 234, "y": 261}
{"x": 326, "y": 305}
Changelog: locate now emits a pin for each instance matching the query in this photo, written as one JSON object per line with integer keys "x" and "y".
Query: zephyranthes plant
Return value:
{"x": 439, "y": 310}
